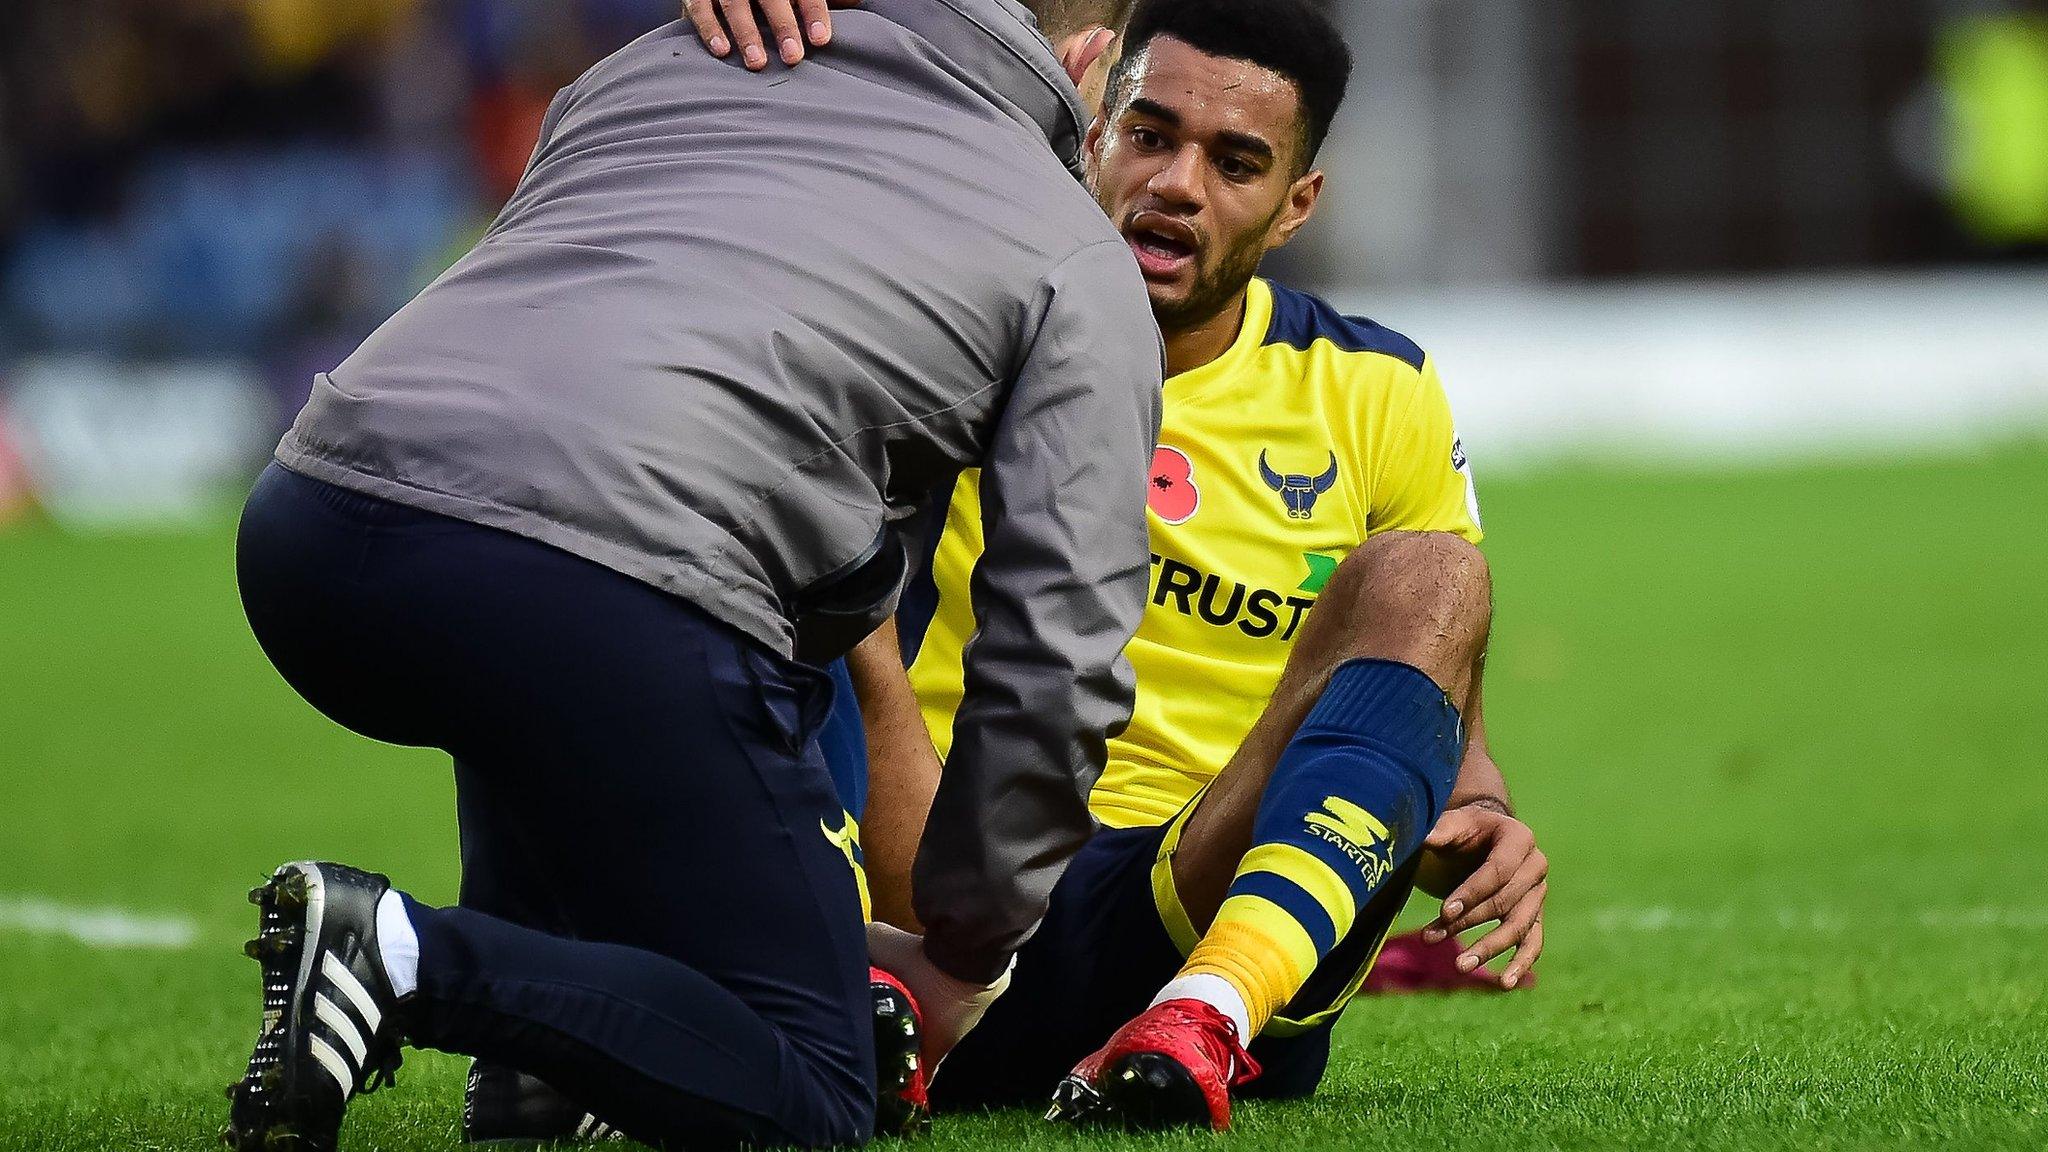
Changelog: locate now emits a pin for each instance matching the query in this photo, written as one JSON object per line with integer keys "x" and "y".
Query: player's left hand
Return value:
{"x": 1488, "y": 868}
{"x": 794, "y": 25}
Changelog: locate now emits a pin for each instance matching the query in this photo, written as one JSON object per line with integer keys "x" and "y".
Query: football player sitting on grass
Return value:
{"x": 1308, "y": 743}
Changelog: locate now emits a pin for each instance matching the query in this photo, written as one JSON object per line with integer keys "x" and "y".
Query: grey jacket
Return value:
{"x": 735, "y": 330}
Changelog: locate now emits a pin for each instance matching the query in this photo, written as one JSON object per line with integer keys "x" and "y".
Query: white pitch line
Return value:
{"x": 1985, "y": 917}
{"x": 1663, "y": 918}
{"x": 96, "y": 927}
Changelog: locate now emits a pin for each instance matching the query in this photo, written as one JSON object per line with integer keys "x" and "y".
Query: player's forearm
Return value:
{"x": 1479, "y": 777}
{"x": 903, "y": 775}
{"x": 1480, "y": 782}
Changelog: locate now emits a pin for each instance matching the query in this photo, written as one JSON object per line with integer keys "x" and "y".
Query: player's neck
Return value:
{"x": 1204, "y": 343}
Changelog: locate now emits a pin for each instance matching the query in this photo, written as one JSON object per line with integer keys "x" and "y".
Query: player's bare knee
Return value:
{"x": 1424, "y": 598}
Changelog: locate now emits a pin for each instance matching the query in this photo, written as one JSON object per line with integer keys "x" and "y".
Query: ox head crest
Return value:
{"x": 1299, "y": 492}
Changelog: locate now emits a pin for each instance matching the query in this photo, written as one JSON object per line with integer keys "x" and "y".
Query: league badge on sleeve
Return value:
{"x": 1463, "y": 465}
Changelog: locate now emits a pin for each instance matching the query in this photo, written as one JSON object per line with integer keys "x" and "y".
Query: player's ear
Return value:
{"x": 1091, "y": 152}
{"x": 1086, "y": 57}
{"x": 1302, "y": 197}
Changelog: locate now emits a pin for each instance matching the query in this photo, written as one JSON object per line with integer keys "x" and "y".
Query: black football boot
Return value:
{"x": 330, "y": 1027}
{"x": 505, "y": 1107}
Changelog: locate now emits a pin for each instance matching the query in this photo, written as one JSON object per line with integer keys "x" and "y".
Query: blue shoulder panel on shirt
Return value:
{"x": 1299, "y": 320}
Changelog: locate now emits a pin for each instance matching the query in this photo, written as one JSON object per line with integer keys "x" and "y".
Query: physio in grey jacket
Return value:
{"x": 735, "y": 331}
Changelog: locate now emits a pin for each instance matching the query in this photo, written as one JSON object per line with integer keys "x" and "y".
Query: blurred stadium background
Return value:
{"x": 1744, "y": 307}
{"x": 1631, "y": 224}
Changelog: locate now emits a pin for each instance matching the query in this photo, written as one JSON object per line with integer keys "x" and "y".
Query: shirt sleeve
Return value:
{"x": 1424, "y": 483}
{"x": 1057, "y": 594}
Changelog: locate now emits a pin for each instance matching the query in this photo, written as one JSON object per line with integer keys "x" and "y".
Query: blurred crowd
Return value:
{"x": 269, "y": 178}
{"x": 260, "y": 175}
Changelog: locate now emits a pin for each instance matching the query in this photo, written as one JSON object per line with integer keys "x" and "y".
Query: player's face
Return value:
{"x": 1197, "y": 160}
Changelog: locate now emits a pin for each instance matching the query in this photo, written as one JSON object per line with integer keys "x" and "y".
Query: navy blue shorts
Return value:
{"x": 1101, "y": 956}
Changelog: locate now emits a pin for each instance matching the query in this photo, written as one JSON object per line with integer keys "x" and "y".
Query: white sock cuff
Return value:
{"x": 397, "y": 944}
{"x": 1217, "y": 993}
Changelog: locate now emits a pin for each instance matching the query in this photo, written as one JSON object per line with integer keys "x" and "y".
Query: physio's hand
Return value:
{"x": 949, "y": 1008}
{"x": 1488, "y": 868}
{"x": 729, "y": 25}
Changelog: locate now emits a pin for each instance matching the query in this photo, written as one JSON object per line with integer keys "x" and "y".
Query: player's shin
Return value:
{"x": 1348, "y": 804}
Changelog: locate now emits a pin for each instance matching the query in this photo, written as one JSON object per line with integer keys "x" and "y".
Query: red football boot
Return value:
{"x": 1173, "y": 1066}
{"x": 903, "y": 1091}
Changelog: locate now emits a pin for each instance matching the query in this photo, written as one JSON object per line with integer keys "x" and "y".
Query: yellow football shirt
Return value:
{"x": 1311, "y": 433}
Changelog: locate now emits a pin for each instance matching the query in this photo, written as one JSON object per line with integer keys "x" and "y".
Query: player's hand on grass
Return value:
{"x": 726, "y": 26}
{"x": 949, "y": 1008}
{"x": 1487, "y": 867}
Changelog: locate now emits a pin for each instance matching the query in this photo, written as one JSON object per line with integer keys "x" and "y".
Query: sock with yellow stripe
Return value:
{"x": 1353, "y": 796}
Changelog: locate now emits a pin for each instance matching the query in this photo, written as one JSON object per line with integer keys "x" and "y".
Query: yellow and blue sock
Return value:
{"x": 1350, "y": 801}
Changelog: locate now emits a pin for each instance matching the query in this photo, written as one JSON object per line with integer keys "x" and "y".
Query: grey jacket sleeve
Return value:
{"x": 557, "y": 108}
{"x": 1057, "y": 595}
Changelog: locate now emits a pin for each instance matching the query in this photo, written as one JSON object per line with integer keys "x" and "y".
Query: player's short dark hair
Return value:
{"x": 1059, "y": 19}
{"x": 1294, "y": 38}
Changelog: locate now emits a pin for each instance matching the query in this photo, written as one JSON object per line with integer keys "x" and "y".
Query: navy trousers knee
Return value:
{"x": 658, "y": 913}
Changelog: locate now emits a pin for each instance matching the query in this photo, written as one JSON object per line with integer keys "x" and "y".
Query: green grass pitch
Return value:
{"x": 1780, "y": 730}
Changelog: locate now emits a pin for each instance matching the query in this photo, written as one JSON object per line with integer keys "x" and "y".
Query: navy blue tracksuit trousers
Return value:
{"x": 655, "y": 916}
